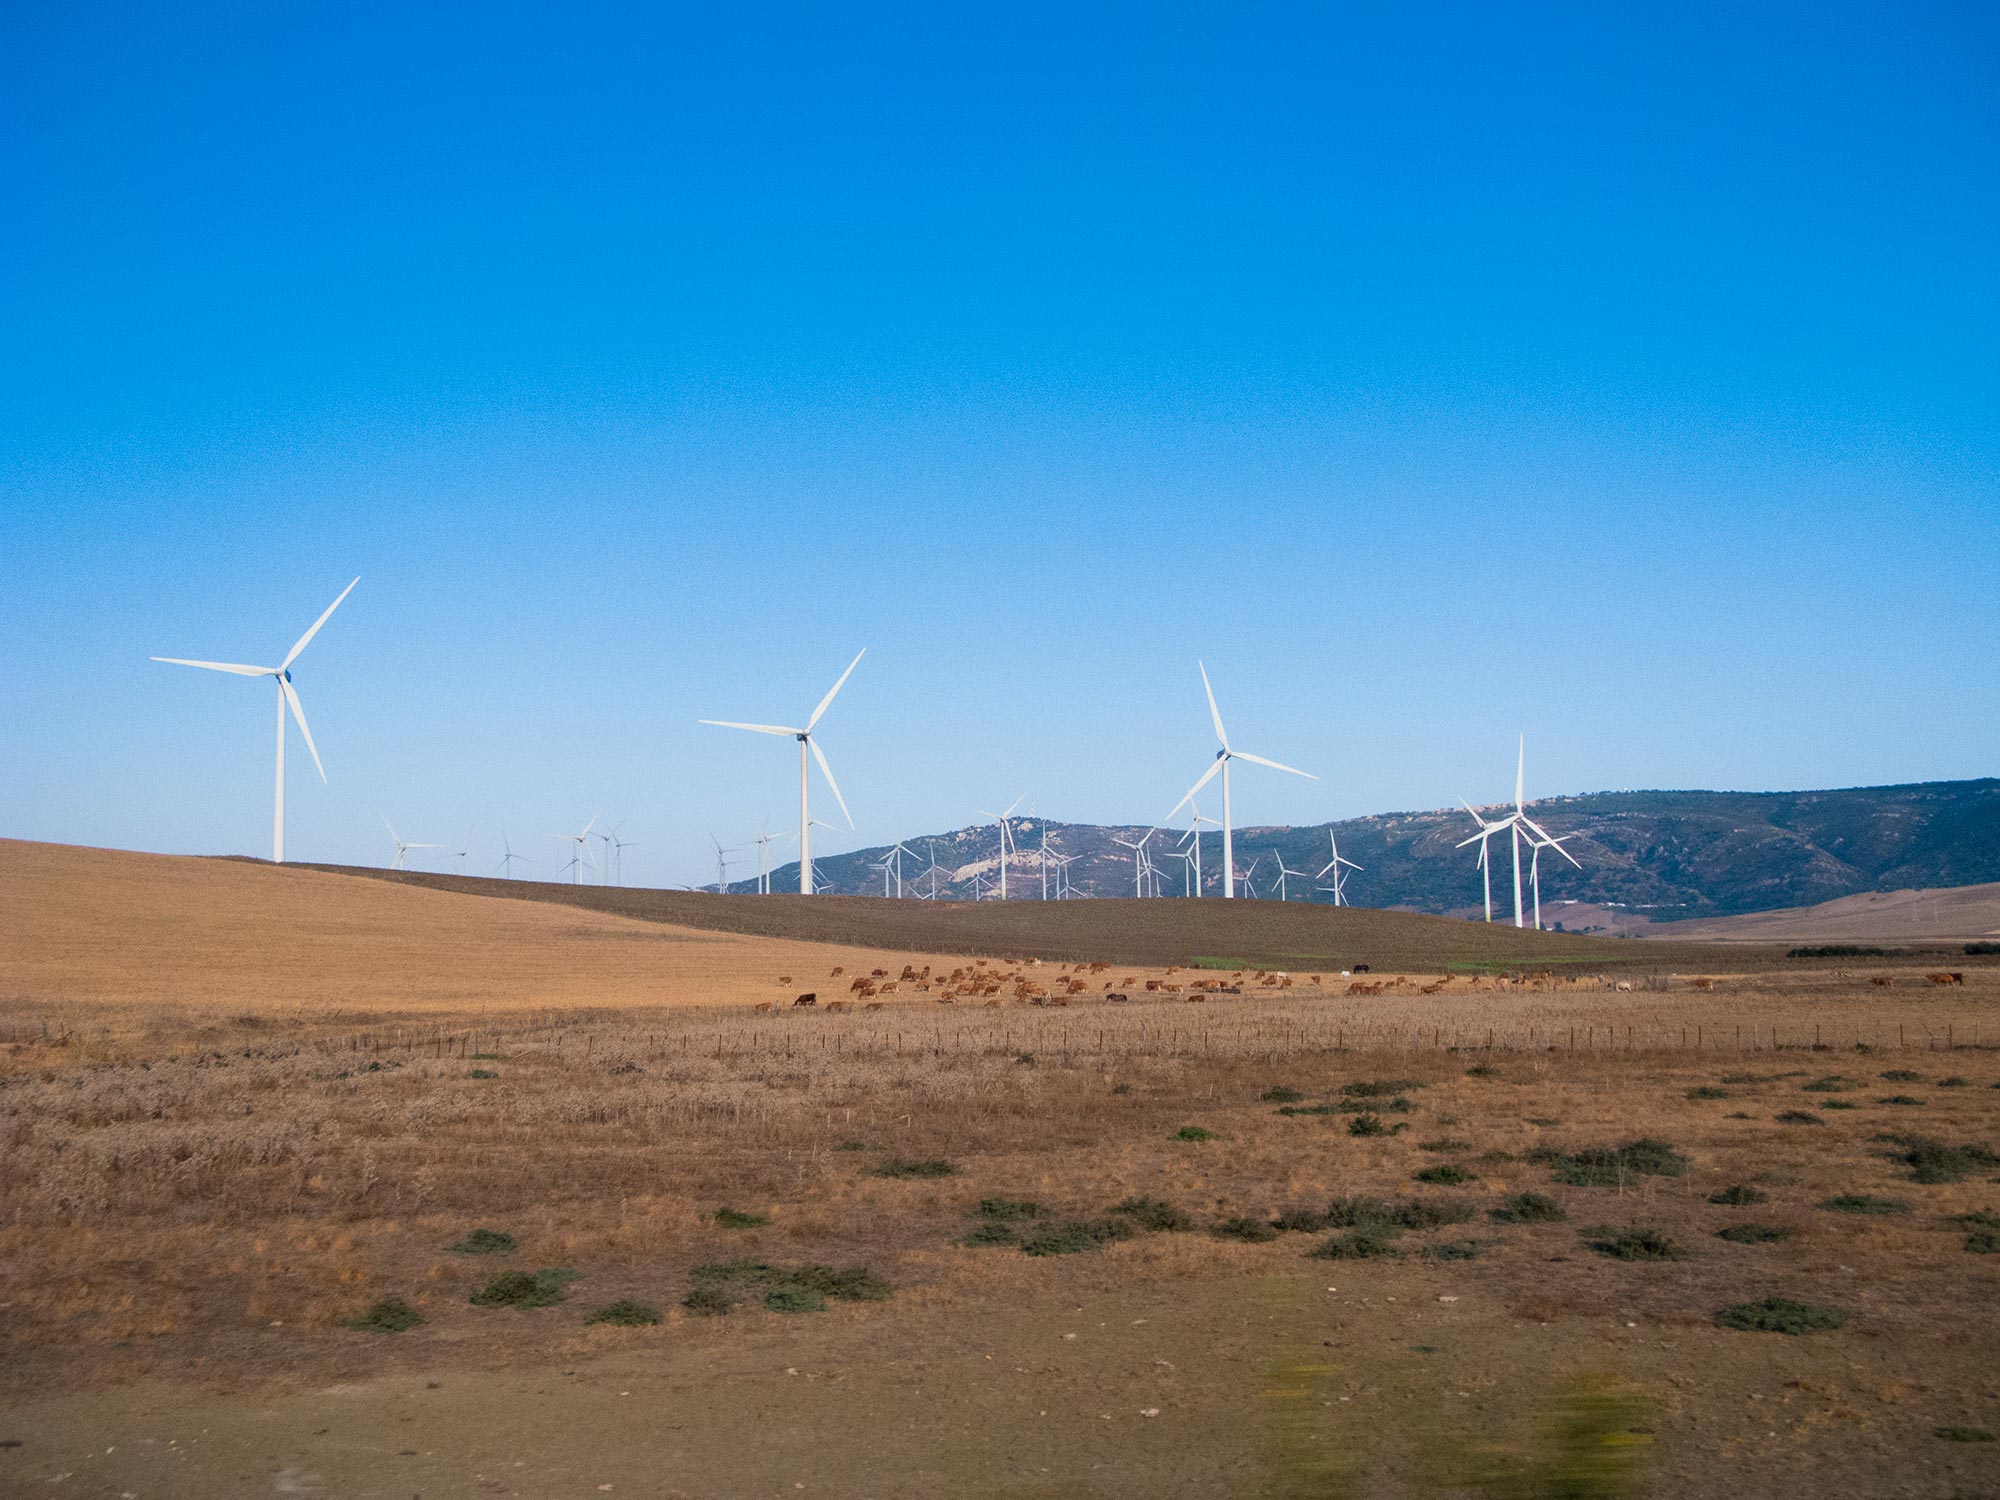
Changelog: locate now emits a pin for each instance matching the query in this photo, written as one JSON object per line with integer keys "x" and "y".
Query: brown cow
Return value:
{"x": 1953, "y": 978}
{"x": 808, "y": 998}
{"x": 839, "y": 1005}
{"x": 1884, "y": 981}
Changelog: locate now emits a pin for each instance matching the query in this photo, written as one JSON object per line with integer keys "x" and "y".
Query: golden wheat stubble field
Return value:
{"x": 201, "y": 1191}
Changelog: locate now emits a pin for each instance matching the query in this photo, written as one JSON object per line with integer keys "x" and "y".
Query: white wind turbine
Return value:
{"x": 288, "y": 697}
{"x": 403, "y": 846}
{"x": 1249, "y": 884}
{"x": 1142, "y": 864}
{"x": 1512, "y": 823}
{"x": 1283, "y": 894}
{"x": 1221, "y": 764}
{"x": 1339, "y": 865}
{"x": 617, "y": 850}
{"x": 1006, "y": 837}
{"x": 722, "y": 864}
{"x": 764, "y": 842}
{"x": 806, "y": 743}
{"x": 581, "y": 858}
{"x": 508, "y": 859}
{"x": 1538, "y": 840}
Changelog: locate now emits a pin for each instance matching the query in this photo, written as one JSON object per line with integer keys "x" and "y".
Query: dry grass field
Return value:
{"x": 1459, "y": 1236}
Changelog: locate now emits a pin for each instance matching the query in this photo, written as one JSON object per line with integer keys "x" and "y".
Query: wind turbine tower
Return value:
{"x": 1220, "y": 765}
{"x": 288, "y": 697}
{"x": 807, "y": 744}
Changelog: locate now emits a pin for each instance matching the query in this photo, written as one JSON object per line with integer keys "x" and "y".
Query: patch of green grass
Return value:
{"x": 1612, "y": 1166}
{"x": 1280, "y": 1094}
{"x": 1529, "y": 1208}
{"x": 1932, "y": 1162}
{"x": 1193, "y": 1133}
{"x": 1435, "y": 1213}
{"x": 906, "y": 1166}
{"x": 1954, "y": 1082}
{"x": 1753, "y": 1234}
{"x": 1356, "y": 1244}
{"x": 1372, "y": 1124}
{"x": 1707, "y": 1091}
{"x": 1454, "y": 1250}
{"x": 1444, "y": 1143}
{"x": 987, "y": 1234}
{"x": 1635, "y": 1243}
{"x": 1779, "y": 1315}
{"x": 482, "y": 1073}
{"x": 1301, "y": 1221}
{"x": 1446, "y": 1174}
{"x": 1839, "y": 1104}
{"x": 1074, "y": 1236}
{"x": 1396, "y": 1106}
{"x": 485, "y": 1242}
{"x": 390, "y": 1315}
{"x": 1008, "y": 1210}
{"x": 1862, "y": 1203}
{"x": 1797, "y": 1117}
{"x": 794, "y": 1299}
{"x": 1380, "y": 1088}
{"x": 1740, "y": 1078}
{"x": 1833, "y": 1083}
{"x": 1738, "y": 1195}
{"x": 1902, "y": 1075}
{"x": 848, "y": 1284}
{"x": 1482, "y": 1070}
{"x": 1965, "y": 1434}
{"x": 1902, "y": 1101}
{"x": 1155, "y": 1214}
{"x": 525, "y": 1289}
{"x": 710, "y": 1299}
{"x": 1308, "y": 1109}
{"x": 852, "y": 1146}
{"x": 1255, "y": 1231}
{"x": 625, "y": 1313}
{"x": 731, "y": 1218}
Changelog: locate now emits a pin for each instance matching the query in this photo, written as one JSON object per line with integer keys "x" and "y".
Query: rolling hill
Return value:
{"x": 1665, "y": 855}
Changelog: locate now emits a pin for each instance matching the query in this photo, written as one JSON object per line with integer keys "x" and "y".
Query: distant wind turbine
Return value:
{"x": 288, "y": 697}
{"x": 806, "y": 743}
{"x": 403, "y": 846}
{"x": 1339, "y": 865}
{"x": 1006, "y": 839}
{"x": 1223, "y": 757}
{"x": 582, "y": 842}
{"x": 508, "y": 859}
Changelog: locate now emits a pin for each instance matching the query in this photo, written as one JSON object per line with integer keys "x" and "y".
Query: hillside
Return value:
{"x": 1956, "y": 916}
{"x": 1666, "y": 855}
{"x": 1264, "y": 934}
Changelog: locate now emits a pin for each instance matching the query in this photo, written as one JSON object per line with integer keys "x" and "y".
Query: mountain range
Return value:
{"x": 1661, "y": 855}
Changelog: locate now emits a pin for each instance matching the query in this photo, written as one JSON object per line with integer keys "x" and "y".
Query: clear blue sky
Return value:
{"x": 1630, "y": 380}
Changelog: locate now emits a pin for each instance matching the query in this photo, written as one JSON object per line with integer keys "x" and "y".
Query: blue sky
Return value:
{"x": 1627, "y": 380}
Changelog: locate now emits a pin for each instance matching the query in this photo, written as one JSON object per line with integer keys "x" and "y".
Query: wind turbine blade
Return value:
{"x": 1206, "y": 777}
{"x": 827, "y": 770}
{"x": 220, "y": 666}
{"x": 391, "y": 827}
{"x": 299, "y": 713}
{"x": 1325, "y": 867}
{"x": 293, "y": 654}
{"x": 1213, "y": 712}
{"x": 754, "y": 728}
{"x": 1521, "y": 773}
{"x": 825, "y": 702}
{"x": 1014, "y": 804}
{"x": 1259, "y": 760}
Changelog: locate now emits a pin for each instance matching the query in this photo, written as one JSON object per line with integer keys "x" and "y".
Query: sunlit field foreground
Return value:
{"x": 1286, "y": 1240}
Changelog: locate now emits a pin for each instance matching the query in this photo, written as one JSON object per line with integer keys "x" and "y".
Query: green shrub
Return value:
{"x": 1369, "y": 1124}
{"x": 990, "y": 1233}
{"x": 1301, "y": 1221}
{"x": 853, "y": 1146}
{"x": 1738, "y": 1195}
{"x": 1434, "y": 1213}
{"x": 1779, "y": 1315}
{"x": 730, "y": 1218}
{"x": 1444, "y": 1143}
{"x": 1902, "y": 1101}
{"x": 524, "y": 1289}
{"x": 482, "y": 1073}
{"x": 1396, "y": 1106}
{"x": 1530, "y": 1208}
{"x": 1932, "y": 1162}
{"x": 1611, "y": 1166}
{"x": 1833, "y": 1083}
{"x": 1446, "y": 1175}
{"x": 849, "y": 1284}
{"x": 1839, "y": 1104}
{"x": 1638, "y": 1244}
{"x": 905, "y": 1166}
{"x": 1280, "y": 1094}
{"x": 1862, "y": 1203}
{"x": 1076, "y": 1235}
{"x": 1153, "y": 1214}
{"x": 1454, "y": 1250}
{"x": 1978, "y": 950}
{"x": 1482, "y": 1070}
{"x": 1255, "y": 1231}
{"x": 1965, "y": 1434}
{"x": 1308, "y": 1109}
{"x": 1752, "y": 1234}
{"x": 1983, "y": 1242}
{"x": 1953, "y": 1082}
{"x": 1707, "y": 1091}
{"x": 485, "y": 1242}
{"x": 1902, "y": 1075}
{"x": 390, "y": 1315}
{"x": 733, "y": 1271}
{"x": 1840, "y": 950}
{"x": 794, "y": 1299}
{"x": 1356, "y": 1244}
{"x": 626, "y": 1313}
{"x": 1380, "y": 1089}
{"x": 710, "y": 1299}
{"x": 1193, "y": 1133}
{"x": 1008, "y": 1210}
{"x": 1797, "y": 1117}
